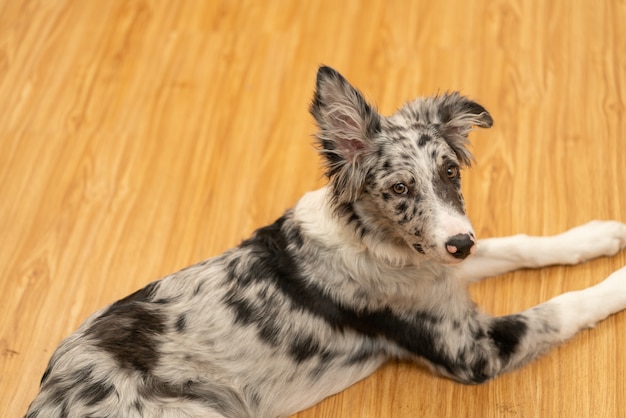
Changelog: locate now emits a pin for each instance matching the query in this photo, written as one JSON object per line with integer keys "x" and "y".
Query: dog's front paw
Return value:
{"x": 585, "y": 308}
{"x": 612, "y": 291}
{"x": 591, "y": 240}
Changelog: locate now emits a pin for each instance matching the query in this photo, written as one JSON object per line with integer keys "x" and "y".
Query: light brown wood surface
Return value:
{"x": 138, "y": 137}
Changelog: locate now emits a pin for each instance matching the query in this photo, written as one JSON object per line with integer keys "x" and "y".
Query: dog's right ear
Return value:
{"x": 347, "y": 124}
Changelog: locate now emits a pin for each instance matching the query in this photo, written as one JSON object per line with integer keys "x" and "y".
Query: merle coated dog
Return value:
{"x": 372, "y": 267}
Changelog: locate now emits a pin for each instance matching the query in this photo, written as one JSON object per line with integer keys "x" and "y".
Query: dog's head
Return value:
{"x": 398, "y": 177}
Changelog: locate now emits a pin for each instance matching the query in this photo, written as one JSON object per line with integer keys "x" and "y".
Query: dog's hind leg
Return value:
{"x": 496, "y": 256}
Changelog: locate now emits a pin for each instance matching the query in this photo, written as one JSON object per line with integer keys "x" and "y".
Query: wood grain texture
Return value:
{"x": 138, "y": 137}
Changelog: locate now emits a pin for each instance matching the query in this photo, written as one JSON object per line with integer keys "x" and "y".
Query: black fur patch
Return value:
{"x": 419, "y": 249}
{"x": 58, "y": 387}
{"x": 424, "y": 139}
{"x": 142, "y": 295}
{"x": 478, "y": 368}
{"x": 269, "y": 333}
{"x": 138, "y": 406}
{"x": 46, "y": 374}
{"x": 303, "y": 348}
{"x": 506, "y": 332}
{"x": 245, "y": 312}
{"x": 217, "y": 396}
{"x": 360, "y": 356}
{"x": 95, "y": 392}
{"x": 449, "y": 190}
{"x": 198, "y": 289}
{"x": 129, "y": 330}
{"x": 401, "y": 207}
{"x": 347, "y": 212}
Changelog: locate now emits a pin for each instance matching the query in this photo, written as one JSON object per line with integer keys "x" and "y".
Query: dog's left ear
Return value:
{"x": 347, "y": 124}
{"x": 458, "y": 115}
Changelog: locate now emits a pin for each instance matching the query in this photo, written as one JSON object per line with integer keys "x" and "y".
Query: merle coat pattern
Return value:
{"x": 374, "y": 266}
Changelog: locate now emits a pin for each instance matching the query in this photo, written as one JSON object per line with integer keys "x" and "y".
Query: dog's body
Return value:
{"x": 366, "y": 269}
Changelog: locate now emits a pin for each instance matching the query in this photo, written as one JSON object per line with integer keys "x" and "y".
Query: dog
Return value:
{"x": 372, "y": 267}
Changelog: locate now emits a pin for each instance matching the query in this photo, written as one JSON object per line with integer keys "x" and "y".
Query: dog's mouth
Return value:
{"x": 419, "y": 249}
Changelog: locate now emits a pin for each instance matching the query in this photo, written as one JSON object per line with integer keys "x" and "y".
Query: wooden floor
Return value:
{"x": 138, "y": 137}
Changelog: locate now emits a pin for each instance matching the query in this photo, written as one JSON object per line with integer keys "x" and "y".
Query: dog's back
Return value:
{"x": 245, "y": 334}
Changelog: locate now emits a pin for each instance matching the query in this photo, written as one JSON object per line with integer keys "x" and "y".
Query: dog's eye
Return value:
{"x": 400, "y": 188}
{"x": 452, "y": 171}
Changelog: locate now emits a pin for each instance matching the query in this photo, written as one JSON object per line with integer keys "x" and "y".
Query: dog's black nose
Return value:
{"x": 460, "y": 246}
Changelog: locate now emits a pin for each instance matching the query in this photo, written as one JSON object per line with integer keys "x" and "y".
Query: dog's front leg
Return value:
{"x": 500, "y": 255}
{"x": 481, "y": 347}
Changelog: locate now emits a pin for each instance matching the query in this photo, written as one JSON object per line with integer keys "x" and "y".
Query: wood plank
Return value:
{"x": 139, "y": 137}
